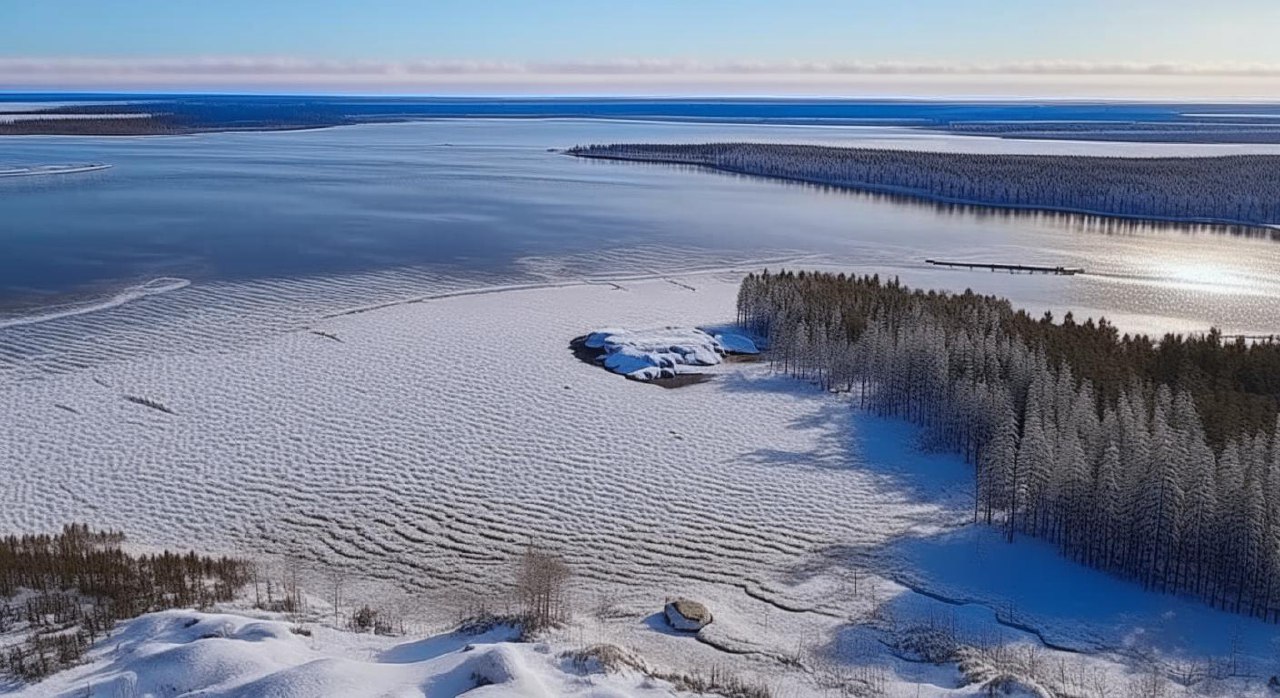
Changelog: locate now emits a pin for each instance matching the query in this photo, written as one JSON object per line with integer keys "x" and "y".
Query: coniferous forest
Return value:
{"x": 1155, "y": 460}
{"x": 1238, "y": 189}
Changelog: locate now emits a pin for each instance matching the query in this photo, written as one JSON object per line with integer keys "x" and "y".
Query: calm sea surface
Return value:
{"x": 292, "y": 225}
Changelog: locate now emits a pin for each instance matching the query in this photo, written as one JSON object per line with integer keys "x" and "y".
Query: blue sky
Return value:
{"x": 661, "y": 44}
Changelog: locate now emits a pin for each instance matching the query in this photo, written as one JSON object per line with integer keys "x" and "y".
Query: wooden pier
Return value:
{"x": 1011, "y": 268}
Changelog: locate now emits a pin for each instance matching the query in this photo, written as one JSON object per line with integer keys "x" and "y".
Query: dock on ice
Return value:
{"x": 1011, "y": 268}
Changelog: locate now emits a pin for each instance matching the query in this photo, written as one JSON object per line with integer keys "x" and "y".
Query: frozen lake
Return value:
{"x": 274, "y": 229}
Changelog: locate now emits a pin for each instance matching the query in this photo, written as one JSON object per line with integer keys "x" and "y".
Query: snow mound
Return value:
{"x": 175, "y": 653}
{"x": 664, "y": 352}
{"x": 736, "y": 343}
{"x": 185, "y": 653}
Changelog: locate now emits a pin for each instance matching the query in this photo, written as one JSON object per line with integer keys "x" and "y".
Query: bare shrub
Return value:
{"x": 84, "y": 582}
{"x": 850, "y": 668}
{"x": 364, "y": 619}
{"x": 606, "y": 607}
{"x": 604, "y": 658}
{"x": 379, "y": 622}
{"x": 719, "y": 682}
{"x": 935, "y": 639}
{"x": 541, "y": 579}
{"x": 1150, "y": 683}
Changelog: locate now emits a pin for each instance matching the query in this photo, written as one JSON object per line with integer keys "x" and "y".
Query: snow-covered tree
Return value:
{"x": 1156, "y": 460}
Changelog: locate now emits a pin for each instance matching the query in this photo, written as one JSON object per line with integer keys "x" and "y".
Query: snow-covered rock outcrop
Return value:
{"x": 664, "y": 352}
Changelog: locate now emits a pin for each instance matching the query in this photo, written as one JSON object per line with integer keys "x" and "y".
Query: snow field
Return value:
{"x": 424, "y": 445}
{"x": 417, "y": 443}
{"x": 420, "y": 450}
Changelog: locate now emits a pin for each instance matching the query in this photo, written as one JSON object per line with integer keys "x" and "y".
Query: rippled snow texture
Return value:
{"x": 419, "y": 447}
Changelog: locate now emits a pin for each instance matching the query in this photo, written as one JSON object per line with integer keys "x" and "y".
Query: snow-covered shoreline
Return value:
{"x": 434, "y": 440}
{"x": 115, "y": 300}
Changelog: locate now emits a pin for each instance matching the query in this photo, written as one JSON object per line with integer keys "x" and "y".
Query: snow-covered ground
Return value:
{"x": 423, "y": 446}
{"x": 180, "y": 653}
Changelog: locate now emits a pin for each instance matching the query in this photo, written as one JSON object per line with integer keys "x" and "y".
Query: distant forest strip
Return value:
{"x": 1220, "y": 130}
{"x": 174, "y": 117}
{"x": 1155, "y": 460}
{"x": 158, "y": 125}
{"x": 1236, "y": 189}
{"x": 105, "y": 126}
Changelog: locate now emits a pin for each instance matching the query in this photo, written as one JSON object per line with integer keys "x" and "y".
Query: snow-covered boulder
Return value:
{"x": 663, "y": 352}
{"x": 683, "y": 614}
{"x": 734, "y": 343}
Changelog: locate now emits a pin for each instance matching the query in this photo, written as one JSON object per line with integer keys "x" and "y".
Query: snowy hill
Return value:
{"x": 187, "y": 653}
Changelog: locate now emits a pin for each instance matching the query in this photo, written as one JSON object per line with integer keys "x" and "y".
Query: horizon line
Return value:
{"x": 299, "y": 67}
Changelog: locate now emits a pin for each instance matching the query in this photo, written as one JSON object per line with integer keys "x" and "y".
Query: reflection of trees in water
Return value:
{"x": 1112, "y": 196}
{"x": 1077, "y": 222}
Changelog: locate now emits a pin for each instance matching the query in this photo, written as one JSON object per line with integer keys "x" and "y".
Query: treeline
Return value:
{"x": 1221, "y": 130}
{"x": 1237, "y": 188}
{"x": 67, "y": 590}
{"x": 180, "y": 116}
{"x": 104, "y": 126}
{"x": 1158, "y": 461}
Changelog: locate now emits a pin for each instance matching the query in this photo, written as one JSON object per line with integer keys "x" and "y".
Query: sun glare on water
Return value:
{"x": 1205, "y": 276}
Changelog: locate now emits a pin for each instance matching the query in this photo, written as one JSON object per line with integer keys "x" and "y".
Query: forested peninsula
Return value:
{"x": 1236, "y": 190}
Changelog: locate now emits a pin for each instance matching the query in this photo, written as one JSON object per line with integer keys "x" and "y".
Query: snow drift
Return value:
{"x": 180, "y": 653}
